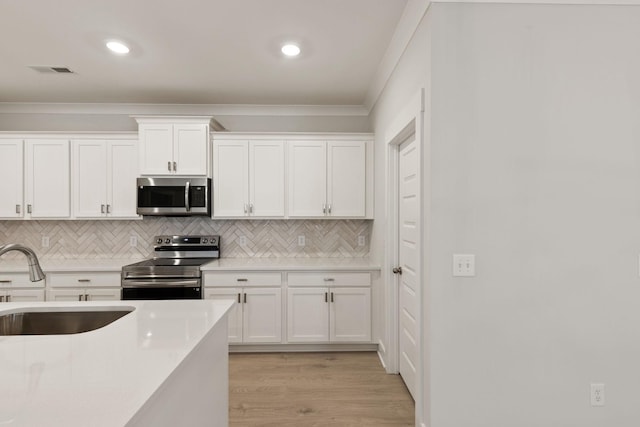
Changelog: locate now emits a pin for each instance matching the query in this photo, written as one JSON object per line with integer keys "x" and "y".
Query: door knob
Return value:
{"x": 397, "y": 270}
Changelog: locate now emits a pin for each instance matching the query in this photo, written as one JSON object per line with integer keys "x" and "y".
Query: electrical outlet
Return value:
{"x": 133, "y": 241}
{"x": 464, "y": 265}
{"x": 242, "y": 240}
{"x": 597, "y": 394}
{"x": 301, "y": 241}
{"x": 45, "y": 241}
{"x": 361, "y": 241}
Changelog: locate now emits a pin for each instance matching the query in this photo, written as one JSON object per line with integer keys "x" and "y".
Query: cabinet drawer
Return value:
{"x": 329, "y": 278}
{"x": 18, "y": 280}
{"x": 242, "y": 279}
{"x": 69, "y": 280}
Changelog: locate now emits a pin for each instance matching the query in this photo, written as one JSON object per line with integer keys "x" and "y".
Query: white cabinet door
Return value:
{"x": 89, "y": 160}
{"x": 121, "y": 179}
{"x": 350, "y": 314}
{"x": 99, "y": 294}
{"x": 156, "y": 149}
{"x": 24, "y": 295}
{"x": 307, "y": 178}
{"x": 346, "y": 179}
{"x": 65, "y": 294}
{"x": 266, "y": 178}
{"x": 11, "y": 178}
{"x": 234, "y": 318}
{"x": 230, "y": 184}
{"x": 47, "y": 179}
{"x": 307, "y": 315}
{"x": 262, "y": 315}
{"x": 190, "y": 149}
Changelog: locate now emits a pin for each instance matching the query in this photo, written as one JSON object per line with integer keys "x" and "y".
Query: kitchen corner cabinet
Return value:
{"x": 248, "y": 178}
{"x": 47, "y": 174}
{"x": 338, "y": 311}
{"x": 104, "y": 176}
{"x": 16, "y": 287}
{"x": 327, "y": 179}
{"x": 11, "y": 178}
{"x": 90, "y": 286}
{"x": 257, "y": 315}
{"x": 174, "y": 146}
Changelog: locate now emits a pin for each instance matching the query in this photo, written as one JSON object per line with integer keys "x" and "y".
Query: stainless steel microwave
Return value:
{"x": 174, "y": 196}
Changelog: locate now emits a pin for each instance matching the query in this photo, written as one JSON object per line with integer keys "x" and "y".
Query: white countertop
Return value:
{"x": 102, "y": 377}
{"x": 291, "y": 264}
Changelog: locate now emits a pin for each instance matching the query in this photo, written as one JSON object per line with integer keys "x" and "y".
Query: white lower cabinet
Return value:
{"x": 257, "y": 315}
{"x": 329, "y": 314}
{"x": 90, "y": 286}
{"x": 21, "y": 295}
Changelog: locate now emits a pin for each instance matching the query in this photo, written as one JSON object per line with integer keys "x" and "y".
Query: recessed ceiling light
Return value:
{"x": 290, "y": 49}
{"x": 117, "y": 47}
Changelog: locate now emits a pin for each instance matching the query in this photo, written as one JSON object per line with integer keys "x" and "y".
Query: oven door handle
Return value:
{"x": 176, "y": 283}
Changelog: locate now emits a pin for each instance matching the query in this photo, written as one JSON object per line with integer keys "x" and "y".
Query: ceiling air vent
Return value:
{"x": 45, "y": 69}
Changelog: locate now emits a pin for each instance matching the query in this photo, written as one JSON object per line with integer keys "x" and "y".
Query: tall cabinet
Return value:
{"x": 47, "y": 176}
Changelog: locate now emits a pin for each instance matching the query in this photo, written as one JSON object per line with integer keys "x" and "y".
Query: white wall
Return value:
{"x": 536, "y": 170}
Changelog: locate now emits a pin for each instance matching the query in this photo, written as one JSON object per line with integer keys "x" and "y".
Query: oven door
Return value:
{"x": 161, "y": 289}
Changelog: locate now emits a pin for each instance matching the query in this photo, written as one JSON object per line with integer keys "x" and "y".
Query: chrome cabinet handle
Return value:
{"x": 326, "y": 297}
{"x": 329, "y": 209}
{"x": 28, "y": 208}
{"x": 17, "y": 209}
{"x": 324, "y": 209}
{"x": 84, "y": 280}
{"x": 1, "y": 299}
{"x": 169, "y": 166}
{"x": 80, "y": 297}
{"x": 175, "y": 167}
{"x": 245, "y": 209}
{"x": 331, "y": 296}
{"x": 6, "y": 281}
{"x": 108, "y": 208}
{"x": 239, "y": 300}
{"x": 7, "y": 298}
{"x": 87, "y": 297}
{"x": 242, "y": 280}
{"x": 250, "y": 208}
{"x": 245, "y": 298}
{"x": 101, "y": 208}
{"x": 329, "y": 279}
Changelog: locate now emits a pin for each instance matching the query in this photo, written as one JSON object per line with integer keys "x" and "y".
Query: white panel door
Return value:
{"x": 307, "y": 178}
{"x": 266, "y": 178}
{"x": 231, "y": 178}
{"x": 11, "y": 178}
{"x": 121, "y": 179}
{"x": 346, "y": 178}
{"x": 307, "y": 315}
{"x": 262, "y": 315}
{"x": 107, "y": 294}
{"x": 190, "y": 149}
{"x": 89, "y": 168}
{"x": 24, "y": 295}
{"x": 350, "y": 314}
{"x": 408, "y": 256}
{"x": 234, "y": 318}
{"x": 156, "y": 149}
{"x": 47, "y": 178}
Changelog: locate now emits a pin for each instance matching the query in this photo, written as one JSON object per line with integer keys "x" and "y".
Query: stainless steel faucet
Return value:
{"x": 35, "y": 272}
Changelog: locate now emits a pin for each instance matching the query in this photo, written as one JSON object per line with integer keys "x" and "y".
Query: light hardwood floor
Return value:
{"x": 315, "y": 389}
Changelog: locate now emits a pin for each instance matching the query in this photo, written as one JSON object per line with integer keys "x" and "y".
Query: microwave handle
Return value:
{"x": 186, "y": 196}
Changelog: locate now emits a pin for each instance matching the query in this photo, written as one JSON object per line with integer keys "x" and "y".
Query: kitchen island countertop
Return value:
{"x": 117, "y": 375}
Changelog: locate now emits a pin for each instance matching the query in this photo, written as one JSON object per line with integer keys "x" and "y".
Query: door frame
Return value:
{"x": 409, "y": 121}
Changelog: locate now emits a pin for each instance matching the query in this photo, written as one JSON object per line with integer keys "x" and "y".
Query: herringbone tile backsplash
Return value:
{"x": 110, "y": 239}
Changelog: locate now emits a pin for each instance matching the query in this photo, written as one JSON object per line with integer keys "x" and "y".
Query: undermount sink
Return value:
{"x": 58, "y": 322}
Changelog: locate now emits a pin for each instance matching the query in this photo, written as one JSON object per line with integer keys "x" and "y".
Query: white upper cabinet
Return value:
{"x": 327, "y": 179}
{"x": 248, "y": 178}
{"x": 47, "y": 187}
{"x": 104, "y": 178}
{"x": 174, "y": 145}
{"x": 11, "y": 178}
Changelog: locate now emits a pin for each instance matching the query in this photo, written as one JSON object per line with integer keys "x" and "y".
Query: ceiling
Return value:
{"x": 194, "y": 51}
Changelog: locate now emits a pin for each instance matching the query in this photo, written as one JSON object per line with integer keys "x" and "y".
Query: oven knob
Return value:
{"x": 159, "y": 241}
{"x": 167, "y": 240}
{"x": 205, "y": 240}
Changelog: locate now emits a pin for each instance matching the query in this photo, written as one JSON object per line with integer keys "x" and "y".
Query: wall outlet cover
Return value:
{"x": 301, "y": 241}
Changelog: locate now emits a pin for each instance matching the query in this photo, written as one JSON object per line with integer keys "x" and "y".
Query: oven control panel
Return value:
{"x": 187, "y": 241}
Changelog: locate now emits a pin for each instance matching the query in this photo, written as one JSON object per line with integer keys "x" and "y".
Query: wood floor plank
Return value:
{"x": 315, "y": 389}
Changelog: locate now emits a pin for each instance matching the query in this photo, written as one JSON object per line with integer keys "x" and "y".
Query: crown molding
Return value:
{"x": 182, "y": 109}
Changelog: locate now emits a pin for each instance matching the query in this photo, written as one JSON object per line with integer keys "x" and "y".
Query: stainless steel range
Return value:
{"x": 174, "y": 272}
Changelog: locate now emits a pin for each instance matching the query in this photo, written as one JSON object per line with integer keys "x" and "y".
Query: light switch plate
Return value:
{"x": 464, "y": 265}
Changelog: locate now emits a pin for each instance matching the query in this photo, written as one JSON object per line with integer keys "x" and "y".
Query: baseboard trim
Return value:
{"x": 286, "y": 348}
